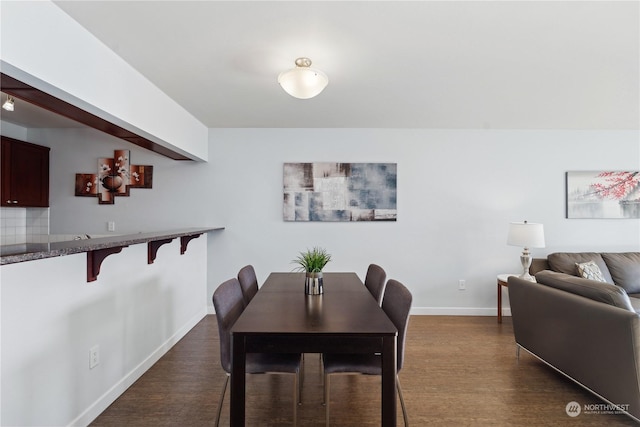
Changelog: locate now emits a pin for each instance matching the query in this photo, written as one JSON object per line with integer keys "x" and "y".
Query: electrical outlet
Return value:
{"x": 94, "y": 356}
{"x": 462, "y": 285}
{"x": 111, "y": 226}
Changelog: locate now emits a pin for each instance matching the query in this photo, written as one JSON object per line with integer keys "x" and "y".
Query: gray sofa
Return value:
{"x": 586, "y": 329}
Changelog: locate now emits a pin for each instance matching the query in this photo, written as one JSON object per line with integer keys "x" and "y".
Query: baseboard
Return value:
{"x": 458, "y": 311}
{"x": 93, "y": 411}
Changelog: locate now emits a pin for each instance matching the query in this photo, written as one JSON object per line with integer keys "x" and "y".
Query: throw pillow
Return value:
{"x": 590, "y": 270}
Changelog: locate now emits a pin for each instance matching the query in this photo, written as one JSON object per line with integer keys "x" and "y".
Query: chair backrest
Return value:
{"x": 397, "y": 304}
{"x": 248, "y": 283}
{"x": 375, "y": 282}
{"x": 229, "y": 304}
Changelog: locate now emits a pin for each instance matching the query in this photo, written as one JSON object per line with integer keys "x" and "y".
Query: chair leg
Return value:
{"x": 224, "y": 389}
{"x": 300, "y": 375}
{"x": 404, "y": 408}
{"x": 326, "y": 399}
{"x": 296, "y": 396}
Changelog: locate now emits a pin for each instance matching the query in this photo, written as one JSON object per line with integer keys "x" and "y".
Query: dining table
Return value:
{"x": 281, "y": 318}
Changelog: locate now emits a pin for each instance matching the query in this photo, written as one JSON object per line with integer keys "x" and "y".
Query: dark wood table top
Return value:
{"x": 346, "y": 307}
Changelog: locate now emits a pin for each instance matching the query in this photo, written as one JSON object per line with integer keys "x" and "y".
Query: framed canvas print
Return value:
{"x": 115, "y": 177}
{"x": 339, "y": 191}
{"x": 603, "y": 194}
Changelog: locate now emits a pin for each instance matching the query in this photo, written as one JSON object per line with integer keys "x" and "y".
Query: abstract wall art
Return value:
{"x": 603, "y": 194}
{"x": 340, "y": 191}
{"x": 114, "y": 178}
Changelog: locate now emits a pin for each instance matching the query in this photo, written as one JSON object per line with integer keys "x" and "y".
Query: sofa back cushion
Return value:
{"x": 597, "y": 291}
{"x": 625, "y": 270}
{"x": 565, "y": 262}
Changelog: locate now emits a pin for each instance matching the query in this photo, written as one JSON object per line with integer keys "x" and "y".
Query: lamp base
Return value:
{"x": 525, "y": 260}
{"x": 527, "y": 276}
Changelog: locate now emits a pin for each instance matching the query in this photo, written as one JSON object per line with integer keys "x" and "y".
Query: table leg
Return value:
{"x": 499, "y": 303}
{"x": 238, "y": 361}
{"x": 389, "y": 381}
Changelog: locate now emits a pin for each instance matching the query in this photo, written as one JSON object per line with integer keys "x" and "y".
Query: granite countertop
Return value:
{"x": 11, "y": 254}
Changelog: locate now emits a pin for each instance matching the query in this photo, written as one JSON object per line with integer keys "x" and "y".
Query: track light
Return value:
{"x": 8, "y": 104}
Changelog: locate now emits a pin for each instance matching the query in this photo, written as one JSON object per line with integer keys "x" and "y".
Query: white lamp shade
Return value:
{"x": 526, "y": 235}
{"x": 303, "y": 82}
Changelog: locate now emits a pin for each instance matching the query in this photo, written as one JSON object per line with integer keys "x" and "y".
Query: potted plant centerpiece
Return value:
{"x": 312, "y": 261}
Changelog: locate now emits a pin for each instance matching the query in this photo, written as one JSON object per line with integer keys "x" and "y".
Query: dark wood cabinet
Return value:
{"x": 25, "y": 174}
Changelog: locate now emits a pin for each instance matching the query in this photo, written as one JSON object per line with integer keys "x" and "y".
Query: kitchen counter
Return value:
{"x": 10, "y": 254}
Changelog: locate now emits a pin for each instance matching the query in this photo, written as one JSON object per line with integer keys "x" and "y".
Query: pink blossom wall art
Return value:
{"x": 603, "y": 194}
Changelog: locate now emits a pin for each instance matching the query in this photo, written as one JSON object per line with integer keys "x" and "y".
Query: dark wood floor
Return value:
{"x": 459, "y": 371}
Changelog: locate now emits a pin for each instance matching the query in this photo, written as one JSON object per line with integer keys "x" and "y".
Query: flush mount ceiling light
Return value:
{"x": 8, "y": 104}
{"x": 303, "y": 82}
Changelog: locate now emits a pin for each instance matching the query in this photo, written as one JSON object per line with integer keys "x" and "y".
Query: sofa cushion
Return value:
{"x": 590, "y": 270}
{"x": 625, "y": 270}
{"x": 598, "y": 291}
{"x": 565, "y": 262}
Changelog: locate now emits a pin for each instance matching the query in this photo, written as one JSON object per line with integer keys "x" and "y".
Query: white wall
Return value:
{"x": 37, "y": 34}
{"x": 457, "y": 192}
{"x": 172, "y": 202}
{"x": 51, "y": 317}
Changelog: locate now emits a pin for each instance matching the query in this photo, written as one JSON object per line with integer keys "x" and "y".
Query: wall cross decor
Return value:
{"x": 114, "y": 178}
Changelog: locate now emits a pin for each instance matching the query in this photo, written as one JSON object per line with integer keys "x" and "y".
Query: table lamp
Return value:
{"x": 527, "y": 235}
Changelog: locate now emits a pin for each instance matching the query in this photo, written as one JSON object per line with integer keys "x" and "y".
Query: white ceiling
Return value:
{"x": 391, "y": 64}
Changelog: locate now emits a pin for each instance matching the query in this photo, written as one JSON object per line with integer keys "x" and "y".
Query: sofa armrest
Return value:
{"x": 538, "y": 264}
{"x": 594, "y": 343}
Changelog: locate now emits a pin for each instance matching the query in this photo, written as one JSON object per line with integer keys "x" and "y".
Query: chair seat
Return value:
{"x": 260, "y": 363}
{"x": 367, "y": 364}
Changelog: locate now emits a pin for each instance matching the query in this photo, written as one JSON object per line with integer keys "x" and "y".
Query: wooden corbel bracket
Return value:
{"x": 152, "y": 249}
{"x": 184, "y": 241}
{"x": 95, "y": 258}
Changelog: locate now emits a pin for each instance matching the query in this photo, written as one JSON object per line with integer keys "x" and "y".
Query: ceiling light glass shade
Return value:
{"x": 303, "y": 82}
{"x": 8, "y": 104}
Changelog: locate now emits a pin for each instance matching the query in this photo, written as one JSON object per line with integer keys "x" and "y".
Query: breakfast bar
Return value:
{"x": 99, "y": 248}
{"x": 67, "y": 334}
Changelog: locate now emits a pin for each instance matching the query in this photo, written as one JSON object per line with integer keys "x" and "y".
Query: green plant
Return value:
{"x": 312, "y": 261}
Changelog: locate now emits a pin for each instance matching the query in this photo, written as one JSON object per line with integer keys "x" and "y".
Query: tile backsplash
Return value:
{"x": 24, "y": 225}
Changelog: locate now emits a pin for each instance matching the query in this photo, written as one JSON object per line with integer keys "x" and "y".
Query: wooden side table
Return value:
{"x": 502, "y": 281}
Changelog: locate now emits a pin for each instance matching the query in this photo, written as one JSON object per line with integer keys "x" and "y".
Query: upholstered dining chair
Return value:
{"x": 229, "y": 304}
{"x": 396, "y": 304}
{"x": 375, "y": 281}
{"x": 248, "y": 282}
